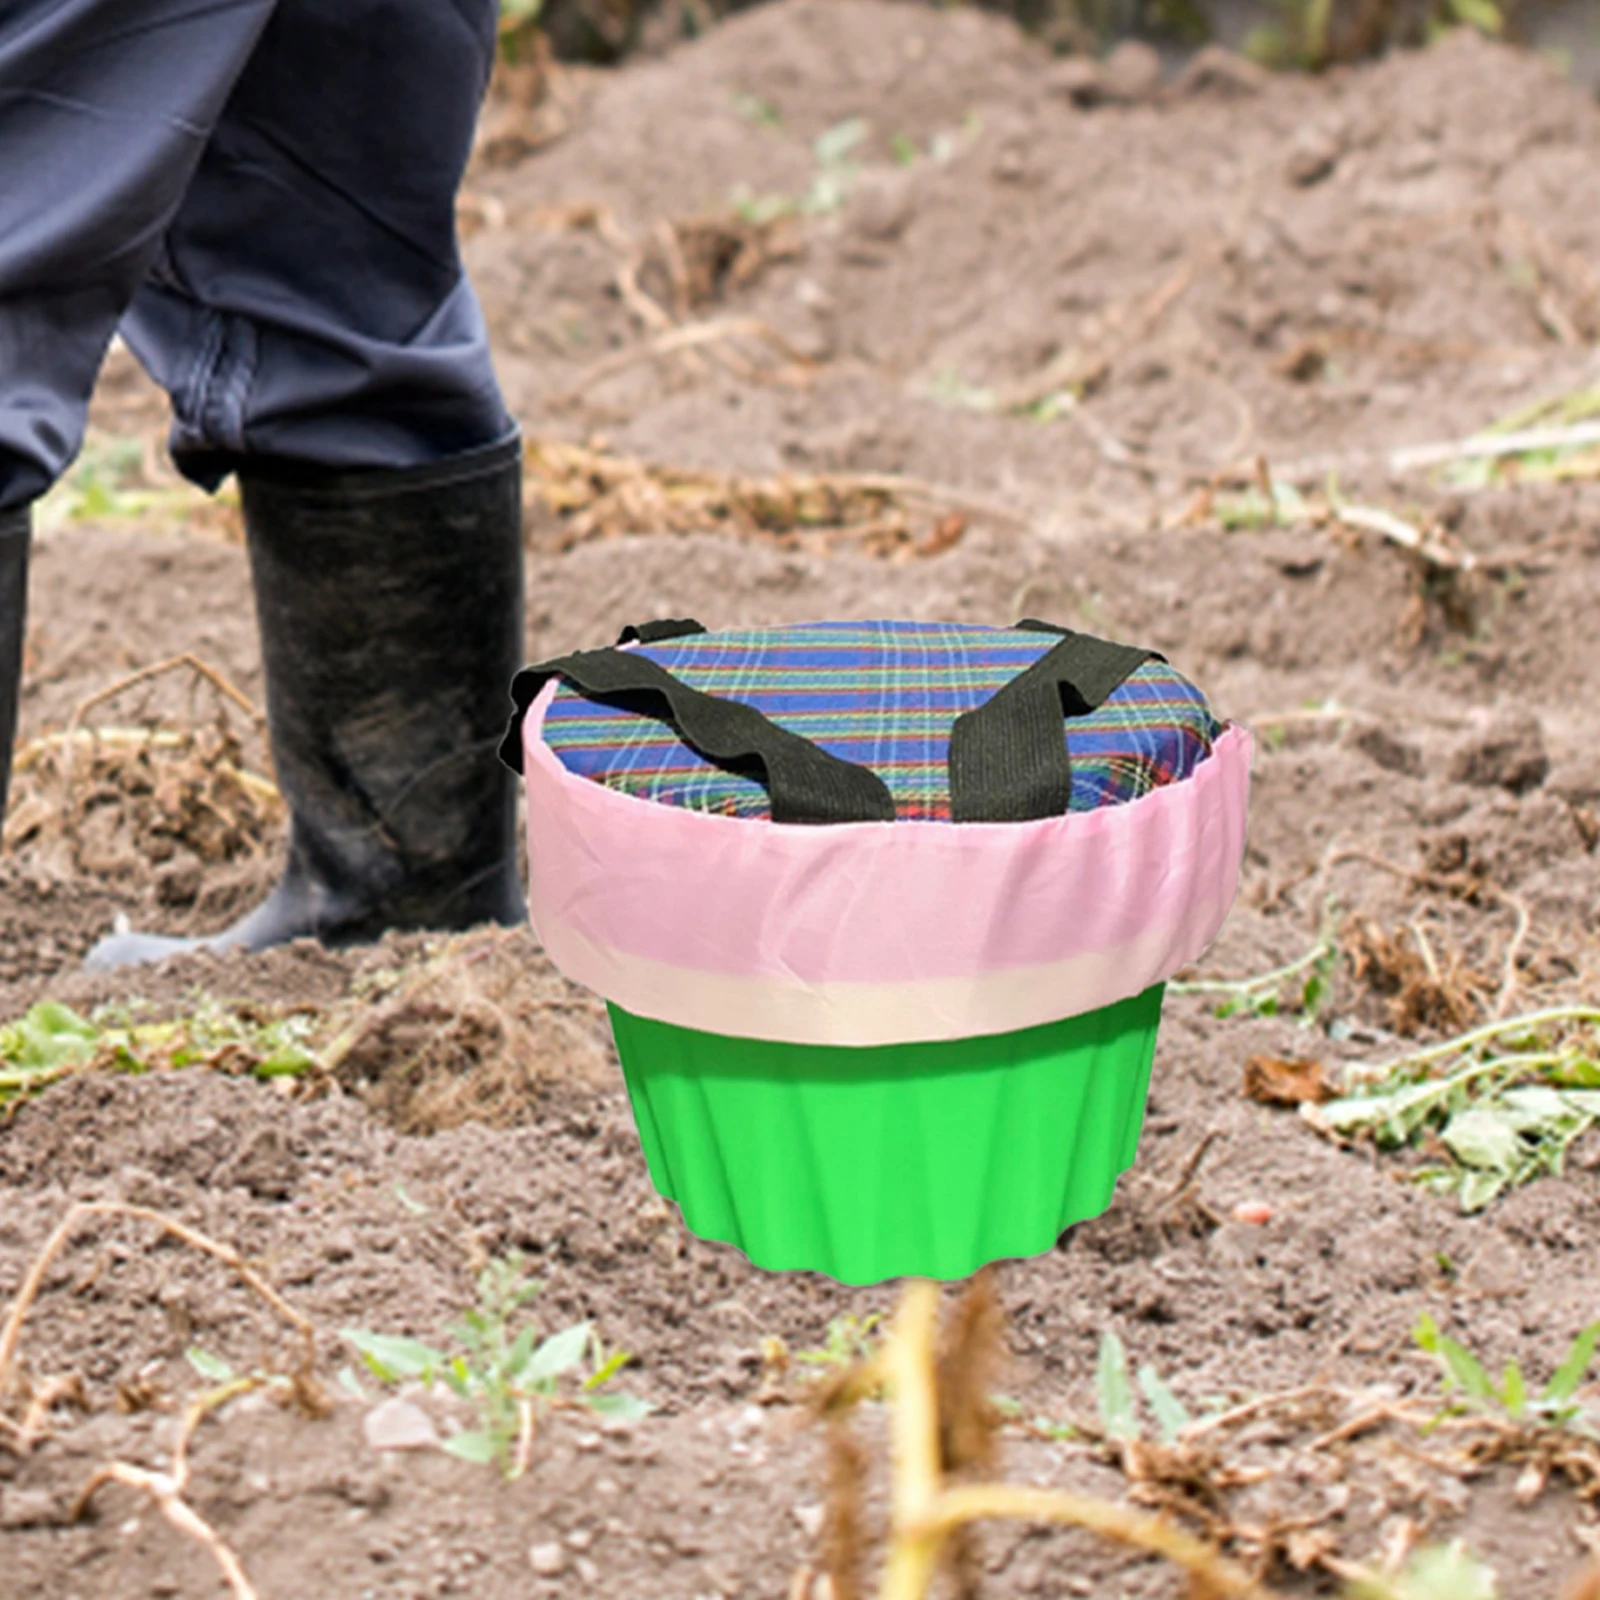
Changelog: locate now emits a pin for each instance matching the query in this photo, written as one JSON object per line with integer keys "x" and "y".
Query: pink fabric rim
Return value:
{"x": 877, "y": 932}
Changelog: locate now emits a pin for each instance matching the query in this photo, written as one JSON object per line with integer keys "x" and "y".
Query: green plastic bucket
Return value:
{"x": 906, "y": 1160}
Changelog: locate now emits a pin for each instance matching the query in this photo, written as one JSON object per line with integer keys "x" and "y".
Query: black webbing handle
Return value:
{"x": 1008, "y": 757}
{"x": 806, "y": 784}
{"x": 657, "y": 632}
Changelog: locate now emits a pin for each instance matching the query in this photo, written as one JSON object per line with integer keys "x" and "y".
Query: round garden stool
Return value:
{"x": 882, "y": 912}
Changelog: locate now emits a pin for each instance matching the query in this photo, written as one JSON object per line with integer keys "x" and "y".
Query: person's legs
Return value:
{"x": 105, "y": 109}
{"x": 308, "y": 303}
{"x": 310, "y": 318}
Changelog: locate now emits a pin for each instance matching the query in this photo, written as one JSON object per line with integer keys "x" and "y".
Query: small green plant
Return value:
{"x": 108, "y": 482}
{"x": 519, "y": 24}
{"x": 509, "y": 1376}
{"x": 1436, "y": 1572}
{"x": 1115, "y": 1402}
{"x": 51, "y": 1040}
{"x": 761, "y": 112}
{"x": 1469, "y": 1387}
{"x": 851, "y": 1340}
{"x": 1312, "y": 34}
{"x": 1012, "y": 1411}
{"x": 1548, "y": 441}
{"x": 1268, "y": 994}
{"x": 1503, "y": 1103}
{"x": 837, "y": 171}
{"x": 1253, "y": 507}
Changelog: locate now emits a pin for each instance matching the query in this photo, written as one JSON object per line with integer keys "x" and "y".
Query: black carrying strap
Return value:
{"x": 806, "y": 784}
{"x": 657, "y": 632}
{"x": 1008, "y": 757}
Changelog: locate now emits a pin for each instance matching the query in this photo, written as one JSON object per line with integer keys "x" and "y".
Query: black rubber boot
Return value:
{"x": 390, "y": 606}
{"x": 15, "y": 537}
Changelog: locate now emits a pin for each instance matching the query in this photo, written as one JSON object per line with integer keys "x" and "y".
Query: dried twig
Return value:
{"x": 1083, "y": 364}
{"x": 926, "y": 1512}
{"x": 33, "y": 1283}
{"x": 159, "y": 669}
{"x": 1492, "y": 446}
{"x": 693, "y": 336}
{"x": 167, "y": 1488}
{"x": 1508, "y": 979}
{"x": 1428, "y": 547}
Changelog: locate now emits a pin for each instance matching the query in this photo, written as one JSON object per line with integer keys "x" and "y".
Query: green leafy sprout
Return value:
{"x": 51, "y": 1040}
{"x": 850, "y": 1339}
{"x": 1498, "y": 1106}
{"x": 1116, "y": 1403}
{"x": 1436, "y": 1572}
{"x": 836, "y": 172}
{"x": 511, "y": 1378}
{"x": 1303, "y": 986}
{"x": 109, "y": 482}
{"x": 1470, "y": 1387}
{"x": 1567, "y": 448}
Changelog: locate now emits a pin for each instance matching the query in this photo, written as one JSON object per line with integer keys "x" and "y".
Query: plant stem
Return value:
{"x": 1245, "y": 985}
{"x": 1490, "y": 1030}
{"x": 915, "y": 1544}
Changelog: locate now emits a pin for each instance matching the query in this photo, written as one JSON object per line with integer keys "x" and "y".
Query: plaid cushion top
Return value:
{"x": 883, "y": 695}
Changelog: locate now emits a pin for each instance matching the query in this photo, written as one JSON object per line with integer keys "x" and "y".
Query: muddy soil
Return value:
{"x": 1089, "y": 319}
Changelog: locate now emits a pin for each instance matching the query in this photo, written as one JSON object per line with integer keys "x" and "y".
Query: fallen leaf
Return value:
{"x": 1281, "y": 1081}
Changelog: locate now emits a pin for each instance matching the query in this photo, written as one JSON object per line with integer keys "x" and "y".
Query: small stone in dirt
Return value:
{"x": 398, "y": 1425}
{"x": 1508, "y": 753}
{"x": 1390, "y": 752}
{"x": 1132, "y": 71}
{"x": 587, "y": 1571}
{"x": 1312, "y": 157}
{"x": 548, "y": 1560}
{"x": 810, "y": 1518}
{"x": 581, "y": 1538}
{"x": 1577, "y": 782}
{"x": 1219, "y": 72}
{"x": 880, "y": 206}
{"x": 1252, "y": 1211}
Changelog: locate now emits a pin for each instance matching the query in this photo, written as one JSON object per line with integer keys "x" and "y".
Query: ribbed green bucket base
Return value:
{"x": 918, "y": 1160}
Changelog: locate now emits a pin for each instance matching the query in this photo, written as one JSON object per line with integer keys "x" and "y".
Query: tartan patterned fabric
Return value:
{"x": 883, "y": 695}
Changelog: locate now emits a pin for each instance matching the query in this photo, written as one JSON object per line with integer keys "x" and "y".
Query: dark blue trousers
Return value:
{"x": 261, "y": 193}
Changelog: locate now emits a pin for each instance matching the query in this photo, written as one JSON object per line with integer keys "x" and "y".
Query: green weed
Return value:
{"x": 850, "y": 1340}
{"x": 519, "y": 23}
{"x": 1549, "y": 441}
{"x": 1504, "y": 1103}
{"x": 108, "y": 483}
{"x": 1436, "y": 1572}
{"x": 1312, "y": 34}
{"x": 52, "y": 1040}
{"x": 1469, "y": 1386}
{"x": 837, "y": 170}
{"x": 509, "y": 1376}
{"x": 1115, "y": 1401}
{"x": 761, "y": 112}
{"x": 1270, "y": 994}
{"x": 1252, "y": 507}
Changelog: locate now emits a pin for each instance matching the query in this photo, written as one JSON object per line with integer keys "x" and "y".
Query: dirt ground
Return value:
{"x": 1058, "y": 332}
